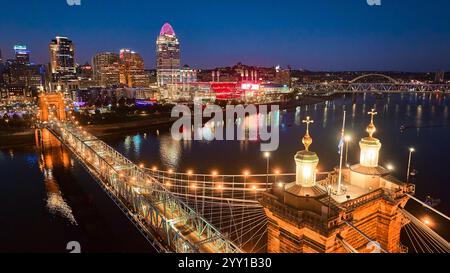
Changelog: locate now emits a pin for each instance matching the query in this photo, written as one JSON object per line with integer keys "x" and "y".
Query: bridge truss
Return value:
{"x": 168, "y": 223}
{"x": 189, "y": 212}
{"x": 329, "y": 89}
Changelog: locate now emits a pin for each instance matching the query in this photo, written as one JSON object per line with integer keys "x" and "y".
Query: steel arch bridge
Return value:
{"x": 391, "y": 86}
{"x": 390, "y": 79}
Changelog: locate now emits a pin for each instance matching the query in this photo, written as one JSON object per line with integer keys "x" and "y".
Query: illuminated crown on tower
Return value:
{"x": 370, "y": 146}
{"x": 306, "y": 161}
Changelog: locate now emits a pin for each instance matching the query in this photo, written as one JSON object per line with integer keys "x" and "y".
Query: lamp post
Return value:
{"x": 189, "y": 174}
{"x": 347, "y": 139}
{"x": 267, "y": 156}
{"x": 411, "y": 150}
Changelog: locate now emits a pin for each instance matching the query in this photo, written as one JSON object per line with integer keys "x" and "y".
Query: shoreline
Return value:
{"x": 164, "y": 122}
{"x": 26, "y": 137}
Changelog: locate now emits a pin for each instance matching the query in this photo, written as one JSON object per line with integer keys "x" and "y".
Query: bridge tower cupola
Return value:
{"x": 370, "y": 146}
{"x": 306, "y": 161}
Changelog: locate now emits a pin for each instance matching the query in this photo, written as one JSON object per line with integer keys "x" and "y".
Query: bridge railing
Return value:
{"x": 333, "y": 88}
{"x": 172, "y": 222}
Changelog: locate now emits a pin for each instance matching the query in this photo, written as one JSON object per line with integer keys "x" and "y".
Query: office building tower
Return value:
{"x": 132, "y": 73}
{"x": 106, "y": 68}
{"x": 62, "y": 59}
{"x": 167, "y": 56}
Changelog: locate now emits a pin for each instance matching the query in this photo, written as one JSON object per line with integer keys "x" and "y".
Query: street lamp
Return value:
{"x": 277, "y": 172}
{"x": 189, "y": 173}
{"x": 267, "y": 156}
{"x": 347, "y": 139}
{"x": 411, "y": 150}
{"x": 246, "y": 174}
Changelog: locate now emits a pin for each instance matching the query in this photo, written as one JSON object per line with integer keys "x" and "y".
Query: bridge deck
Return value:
{"x": 180, "y": 227}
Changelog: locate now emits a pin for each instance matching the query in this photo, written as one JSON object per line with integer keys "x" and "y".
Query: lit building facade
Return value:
{"x": 62, "y": 59}
{"x": 167, "y": 56}
{"x": 22, "y": 54}
{"x": 132, "y": 73}
{"x": 106, "y": 69}
{"x": 21, "y": 79}
{"x": 329, "y": 215}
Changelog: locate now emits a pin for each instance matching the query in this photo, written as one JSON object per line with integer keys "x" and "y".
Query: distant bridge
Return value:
{"x": 389, "y": 86}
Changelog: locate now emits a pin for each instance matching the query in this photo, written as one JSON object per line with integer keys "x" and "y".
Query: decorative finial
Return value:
{"x": 371, "y": 128}
{"x": 307, "y": 140}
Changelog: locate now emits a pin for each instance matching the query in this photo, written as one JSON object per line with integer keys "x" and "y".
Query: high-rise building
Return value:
{"x": 1, "y": 68}
{"x": 132, "y": 73}
{"x": 22, "y": 54}
{"x": 167, "y": 56}
{"x": 21, "y": 78}
{"x": 62, "y": 59}
{"x": 106, "y": 68}
{"x": 85, "y": 71}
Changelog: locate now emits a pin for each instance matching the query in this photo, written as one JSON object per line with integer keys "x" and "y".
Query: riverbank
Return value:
{"x": 16, "y": 138}
{"x": 166, "y": 121}
{"x": 26, "y": 137}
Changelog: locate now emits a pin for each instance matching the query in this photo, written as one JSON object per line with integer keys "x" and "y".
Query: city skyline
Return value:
{"x": 383, "y": 38}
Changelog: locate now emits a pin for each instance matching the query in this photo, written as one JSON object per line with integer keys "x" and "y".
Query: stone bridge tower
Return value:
{"x": 51, "y": 103}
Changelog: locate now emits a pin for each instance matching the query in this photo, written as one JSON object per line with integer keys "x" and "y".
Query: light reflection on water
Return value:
{"x": 418, "y": 114}
{"x": 56, "y": 203}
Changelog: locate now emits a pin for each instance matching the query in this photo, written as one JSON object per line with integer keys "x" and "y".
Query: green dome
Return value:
{"x": 306, "y": 156}
{"x": 370, "y": 141}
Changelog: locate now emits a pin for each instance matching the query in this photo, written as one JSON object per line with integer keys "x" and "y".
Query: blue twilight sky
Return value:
{"x": 408, "y": 35}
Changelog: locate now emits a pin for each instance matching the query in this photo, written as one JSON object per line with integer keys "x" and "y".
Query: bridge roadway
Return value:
{"x": 329, "y": 89}
{"x": 169, "y": 224}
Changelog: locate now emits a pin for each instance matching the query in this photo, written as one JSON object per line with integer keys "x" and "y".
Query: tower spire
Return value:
{"x": 371, "y": 127}
{"x": 307, "y": 139}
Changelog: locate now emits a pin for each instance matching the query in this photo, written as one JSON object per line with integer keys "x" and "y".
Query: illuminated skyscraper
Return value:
{"x": 62, "y": 59}
{"x": 106, "y": 68}
{"x": 167, "y": 56}
{"x": 132, "y": 71}
{"x": 22, "y": 54}
{"x": 21, "y": 78}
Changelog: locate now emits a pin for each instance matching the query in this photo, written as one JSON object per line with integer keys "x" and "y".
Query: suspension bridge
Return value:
{"x": 187, "y": 212}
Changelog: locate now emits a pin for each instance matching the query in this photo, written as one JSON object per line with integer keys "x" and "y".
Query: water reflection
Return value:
{"x": 170, "y": 151}
{"x": 395, "y": 110}
{"x": 52, "y": 154}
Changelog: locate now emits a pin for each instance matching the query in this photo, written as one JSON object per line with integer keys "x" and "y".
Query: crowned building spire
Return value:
{"x": 307, "y": 139}
{"x": 371, "y": 129}
{"x": 306, "y": 161}
{"x": 370, "y": 146}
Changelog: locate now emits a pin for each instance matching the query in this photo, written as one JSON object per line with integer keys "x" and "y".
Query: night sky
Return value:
{"x": 401, "y": 35}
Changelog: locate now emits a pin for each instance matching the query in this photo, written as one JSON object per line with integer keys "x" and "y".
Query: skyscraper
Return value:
{"x": 132, "y": 71}
{"x": 62, "y": 59}
{"x": 167, "y": 56}
{"x": 106, "y": 68}
{"x": 22, "y": 54}
{"x": 21, "y": 79}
